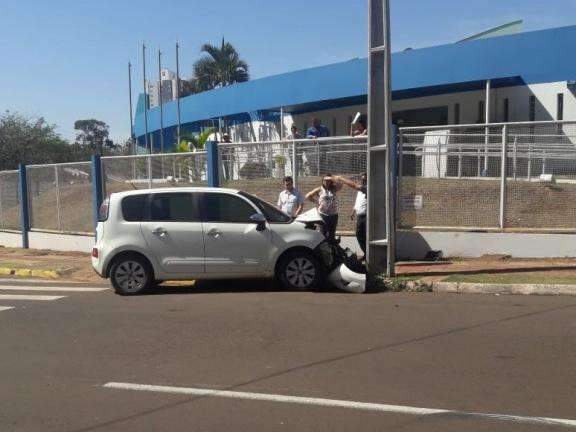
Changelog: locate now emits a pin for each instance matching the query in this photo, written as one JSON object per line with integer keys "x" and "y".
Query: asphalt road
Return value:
{"x": 512, "y": 355}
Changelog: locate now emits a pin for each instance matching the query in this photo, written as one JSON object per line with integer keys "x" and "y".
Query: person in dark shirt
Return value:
{"x": 317, "y": 130}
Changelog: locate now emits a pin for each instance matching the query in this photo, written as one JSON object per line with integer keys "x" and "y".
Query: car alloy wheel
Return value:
{"x": 300, "y": 272}
{"x": 130, "y": 276}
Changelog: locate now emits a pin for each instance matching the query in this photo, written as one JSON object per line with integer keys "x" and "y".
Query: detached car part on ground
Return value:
{"x": 347, "y": 272}
{"x": 145, "y": 237}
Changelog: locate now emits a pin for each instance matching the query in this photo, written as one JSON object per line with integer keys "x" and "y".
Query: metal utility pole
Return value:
{"x": 132, "y": 140}
{"x": 381, "y": 226}
{"x": 178, "y": 92}
{"x": 161, "y": 101}
{"x": 148, "y": 148}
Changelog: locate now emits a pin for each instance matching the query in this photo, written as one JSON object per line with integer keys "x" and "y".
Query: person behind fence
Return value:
{"x": 226, "y": 155}
{"x": 317, "y": 130}
{"x": 294, "y": 133}
{"x": 327, "y": 204}
{"x": 359, "y": 126}
{"x": 359, "y": 211}
{"x": 290, "y": 200}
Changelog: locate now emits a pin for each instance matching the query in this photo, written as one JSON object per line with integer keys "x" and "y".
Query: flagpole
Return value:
{"x": 178, "y": 93}
{"x": 132, "y": 141}
{"x": 148, "y": 148}
{"x": 161, "y": 101}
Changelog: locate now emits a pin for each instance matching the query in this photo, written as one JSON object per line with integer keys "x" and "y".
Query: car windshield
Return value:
{"x": 272, "y": 214}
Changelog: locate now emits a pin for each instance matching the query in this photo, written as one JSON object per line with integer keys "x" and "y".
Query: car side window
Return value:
{"x": 219, "y": 207}
{"x": 173, "y": 207}
{"x": 133, "y": 207}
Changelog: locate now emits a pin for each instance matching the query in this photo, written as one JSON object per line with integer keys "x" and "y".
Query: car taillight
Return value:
{"x": 103, "y": 211}
{"x": 94, "y": 252}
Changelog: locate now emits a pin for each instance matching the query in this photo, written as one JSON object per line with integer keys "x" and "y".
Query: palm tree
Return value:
{"x": 193, "y": 143}
{"x": 221, "y": 67}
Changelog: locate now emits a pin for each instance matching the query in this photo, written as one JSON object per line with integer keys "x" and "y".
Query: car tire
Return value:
{"x": 300, "y": 271}
{"x": 131, "y": 275}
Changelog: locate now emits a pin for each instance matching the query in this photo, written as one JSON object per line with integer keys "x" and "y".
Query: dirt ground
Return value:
{"x": 76, "y": 266}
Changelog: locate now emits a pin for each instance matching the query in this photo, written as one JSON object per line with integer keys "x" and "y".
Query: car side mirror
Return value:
{"x": 259, "y": 220}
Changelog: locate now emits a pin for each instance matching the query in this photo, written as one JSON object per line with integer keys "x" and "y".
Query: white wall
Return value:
{"x": 60, "y": 242}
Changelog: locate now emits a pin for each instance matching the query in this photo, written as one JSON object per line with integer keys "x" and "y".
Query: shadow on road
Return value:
{"x": 229, "y": 286}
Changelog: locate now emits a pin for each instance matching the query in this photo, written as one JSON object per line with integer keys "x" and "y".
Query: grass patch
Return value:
{"x": 516, "y": 278}
{"x": 401, "y": 284}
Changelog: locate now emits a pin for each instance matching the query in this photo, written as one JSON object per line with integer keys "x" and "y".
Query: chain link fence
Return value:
{"x": 60, "y": 197}
{"x": 121, "y": 173}
{"x": 501, "y": 176}
{"x": 259, "y": 167}
{"x": 9, "y": 201}
{"x": 515, "y": 176}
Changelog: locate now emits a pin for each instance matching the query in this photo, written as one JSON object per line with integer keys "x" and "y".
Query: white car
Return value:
{"x": 146, "y": 236}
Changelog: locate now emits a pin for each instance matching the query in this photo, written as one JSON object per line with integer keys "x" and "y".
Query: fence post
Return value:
{"x": 212, "y": 164}
{"x": 400, "y": 170}
{"x": 503, "y": 164}
{"x": 57, "y": 181}
{"x": 96, "y": 187}
{"x": 150, "y": 174}
{"x": 24, "y": 215}
{"x": 294, "y": 163}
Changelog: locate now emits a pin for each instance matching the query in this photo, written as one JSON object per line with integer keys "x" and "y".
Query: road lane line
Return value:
{"x": 29, "y": 297}
{"x": 45, "y": 288}
{"x": 5, "y": 308}
{"x": 335, "y": 403}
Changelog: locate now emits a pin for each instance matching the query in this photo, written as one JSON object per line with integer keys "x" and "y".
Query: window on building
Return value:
{"x": 457, "y": 113}
{"x": 532, "y": 108}
{"x": 560, "y": 106}
{"x": 505, "y": 110}
{"x": 481, "y": 112}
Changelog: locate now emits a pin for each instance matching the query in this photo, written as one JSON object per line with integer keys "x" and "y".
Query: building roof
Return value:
{"x": 532, "y": 57}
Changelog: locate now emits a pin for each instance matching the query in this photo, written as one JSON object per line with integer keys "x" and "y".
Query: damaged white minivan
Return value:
{"x": 144, "y": 237}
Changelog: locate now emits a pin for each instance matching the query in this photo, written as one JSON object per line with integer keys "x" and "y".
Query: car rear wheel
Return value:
{"x": 131, "y": 275}
{"x": 300, "y": 270}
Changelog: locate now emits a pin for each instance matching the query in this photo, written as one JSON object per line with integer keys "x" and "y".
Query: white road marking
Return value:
{"x": 29, "y": 297}
{"x": 46, "y": 288}
{"x": 5, "y": 308}
{"x": 335, "y": 403}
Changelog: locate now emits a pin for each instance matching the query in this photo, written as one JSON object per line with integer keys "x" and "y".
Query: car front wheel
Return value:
{"x": 131, "y": 275}
{"x": 300, "y": 270}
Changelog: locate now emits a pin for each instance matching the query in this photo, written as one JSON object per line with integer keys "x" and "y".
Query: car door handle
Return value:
{"x": 160, "y": 232}
{"x": 214, "y": 233}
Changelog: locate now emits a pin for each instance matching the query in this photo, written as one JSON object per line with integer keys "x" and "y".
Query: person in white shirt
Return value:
{"x": 290, "y": 200}
{"x": 359, "y": 209}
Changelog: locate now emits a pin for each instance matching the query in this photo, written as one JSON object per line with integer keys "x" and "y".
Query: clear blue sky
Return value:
{"x": 67, "y": 59}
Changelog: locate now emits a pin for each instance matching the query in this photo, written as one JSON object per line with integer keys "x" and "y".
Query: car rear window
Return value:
{"x": 133, "y": 207}
{"x": 173, "y": 207}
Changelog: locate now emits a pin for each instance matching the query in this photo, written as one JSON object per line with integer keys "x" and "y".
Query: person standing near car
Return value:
{"x": 359, "y": 211}
{"x": 327, "y": 204}
{"x": 290, "y": 200}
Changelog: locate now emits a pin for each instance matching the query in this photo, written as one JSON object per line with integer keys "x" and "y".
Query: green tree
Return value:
{"x": 219, "y": 67}
{"x": 94, "y": 134}
{"x": 189, "y": 142}
{"x": 34, "y": 141}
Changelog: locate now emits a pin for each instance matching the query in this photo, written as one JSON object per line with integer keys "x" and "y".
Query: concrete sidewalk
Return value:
{"x": 488, "y": 274}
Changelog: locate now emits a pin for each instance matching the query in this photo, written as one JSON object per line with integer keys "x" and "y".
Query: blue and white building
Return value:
{"x": 522, "y": 77}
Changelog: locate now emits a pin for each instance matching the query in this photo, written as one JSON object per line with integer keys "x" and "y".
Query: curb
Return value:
{"x": 26, "y": 272}
{"x": 504, "y": 289}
